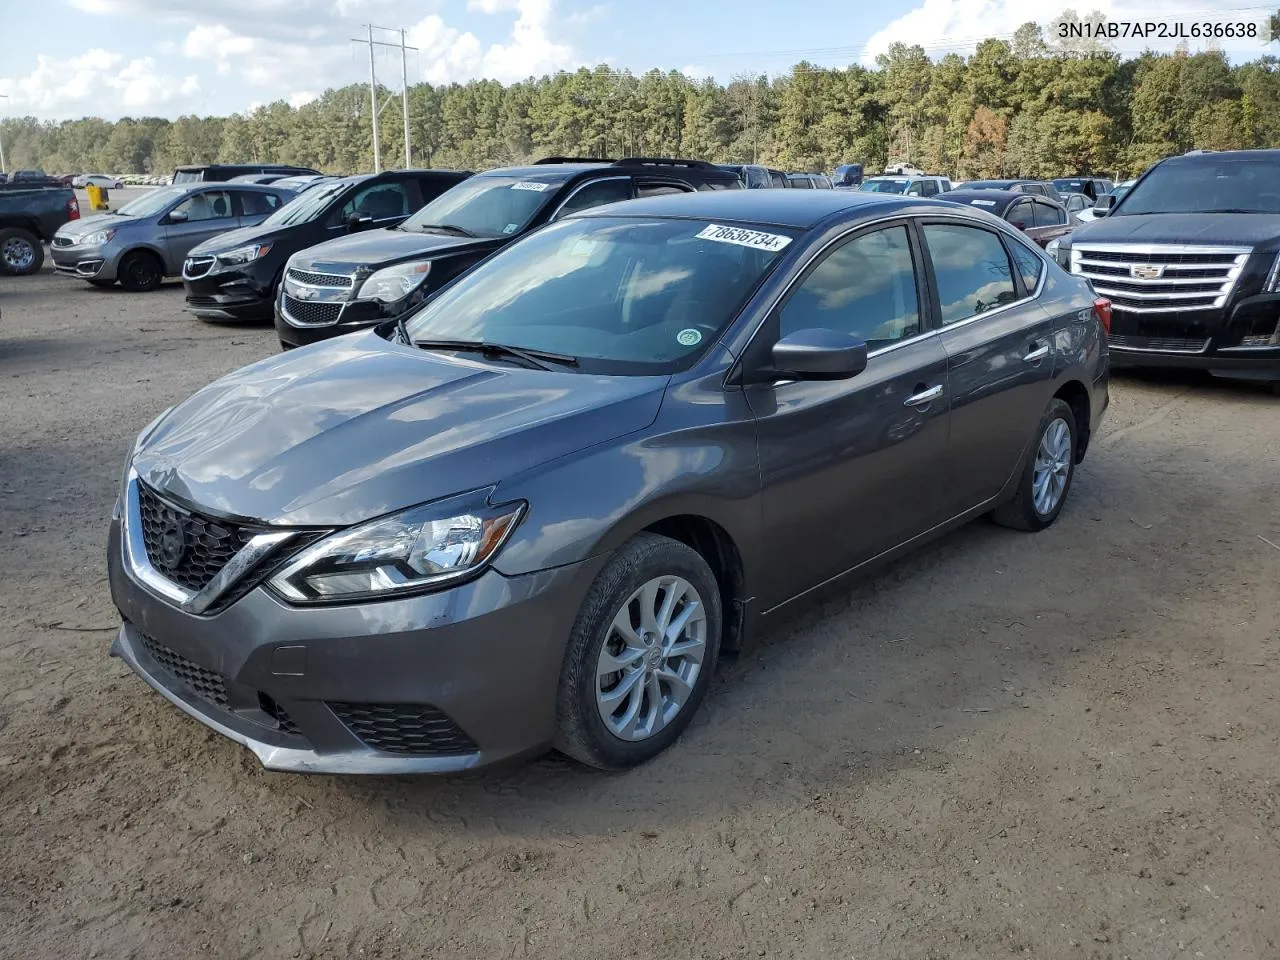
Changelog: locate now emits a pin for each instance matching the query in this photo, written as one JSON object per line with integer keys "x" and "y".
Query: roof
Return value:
{"x": 1001, "y": 198}
{"x": 548, "y": 172}
{"x": 800, "y": 209}
{"x": 1212, "y": 155}
{"x": 1009, "y": 182}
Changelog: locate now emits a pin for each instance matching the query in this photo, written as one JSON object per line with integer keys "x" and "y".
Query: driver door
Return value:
{"x": 851, "y": 468}
{"x": 199, "y": 217}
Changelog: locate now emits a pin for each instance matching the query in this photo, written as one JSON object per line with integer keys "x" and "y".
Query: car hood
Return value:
{"x": 357, "y": 427}
{"x": 101, "y": 221}
{"x": 238, "y": 238}
{"x": 376, "y": 248}
{"x": 1229, "y": 229}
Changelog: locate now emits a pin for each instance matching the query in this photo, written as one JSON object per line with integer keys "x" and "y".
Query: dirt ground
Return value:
{"x": 1050, "y": 746}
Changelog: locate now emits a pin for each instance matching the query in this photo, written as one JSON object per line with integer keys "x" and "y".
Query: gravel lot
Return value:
{"x": 1062, "y": 745}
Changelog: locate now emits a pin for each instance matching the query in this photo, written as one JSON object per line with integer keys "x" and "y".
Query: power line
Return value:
{"x": 373, "y": 89}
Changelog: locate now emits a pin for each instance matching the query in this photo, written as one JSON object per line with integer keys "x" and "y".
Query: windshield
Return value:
{"x": 622, "y": 295}
{"x": 1206, "y": 186}
{"x": 485, "y": 206}
{"x": 152, "y": 203}
{"x": 306, "y": 206}
{"x": 884, "y": 186}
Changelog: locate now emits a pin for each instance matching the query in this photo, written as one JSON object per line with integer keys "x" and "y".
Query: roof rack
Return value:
{"x": 574, "y": 160}
{"x": 664, "y": 162}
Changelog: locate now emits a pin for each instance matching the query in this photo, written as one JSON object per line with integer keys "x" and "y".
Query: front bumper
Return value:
{"x": 85, "y": 263}
{"x": 350, "y": 316}
{"x": 236, "y": 294}
{"x": 1229, "y": 363}
{"x": 431, "y": 684}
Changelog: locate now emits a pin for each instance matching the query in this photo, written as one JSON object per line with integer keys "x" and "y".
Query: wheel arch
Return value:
{"x": 1076, "y": 395}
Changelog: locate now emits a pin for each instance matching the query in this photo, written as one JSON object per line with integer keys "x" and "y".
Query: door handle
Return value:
{"x": 1036, "y": 354}
{"x": 924, "y": 397}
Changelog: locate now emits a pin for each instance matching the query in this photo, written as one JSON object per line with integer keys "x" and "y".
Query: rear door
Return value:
{"x": 253, "y": 207}
{"x": 197, "y": 218}
{"x": 383, "y": 203}
{"x": 850, "y": 468}
{"x": 1051, "y": 221}
{"x": 998, "y": 342}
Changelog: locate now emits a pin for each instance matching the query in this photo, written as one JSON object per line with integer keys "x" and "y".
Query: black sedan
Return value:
{"x": 1040, "y": 219}
{"x": 235, "y": 276}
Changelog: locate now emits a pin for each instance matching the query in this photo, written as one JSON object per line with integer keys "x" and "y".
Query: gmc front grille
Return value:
{"x": 1160, "y": 278}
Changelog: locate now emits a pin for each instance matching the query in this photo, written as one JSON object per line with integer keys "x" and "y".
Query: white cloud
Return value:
{"x": 580, "y": 18}
{"x": 301, "y": 98}
{"x": 531, "y": 51}
{"x": 448, "y": 54}
{"x": 96, "y": 83}
{"x": 957, "y": 26}
{"x": 695, "y": 72}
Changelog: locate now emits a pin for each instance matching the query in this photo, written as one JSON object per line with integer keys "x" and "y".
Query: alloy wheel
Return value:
{"x": 1052, "y": 467}
{"x": 651, "y": 658}
{"x": 17, "y": 254}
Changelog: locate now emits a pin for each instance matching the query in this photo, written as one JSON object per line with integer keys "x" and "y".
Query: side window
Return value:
{"x": 1020, "y": 215}
{"x": 972, "y": 270}
{"x": 657, "y": 189}
{"x": 1029, "y": 265}
{"x": 382, "y": 201}
{"x": 210, "y": 205}
{"x": 916, "y": 189}
{"x": 1048, "y": 215}
{"x": 757, "y": 178}
{"x": 928, "y": 188}
{"x": 865, "y": 287}
{"x": 802, "y": 183}
{"x": 777, "y": 179}
{"x": 432, "y": 187}
{"x": 597, "y": 194}
{"x": 258, "y": 204}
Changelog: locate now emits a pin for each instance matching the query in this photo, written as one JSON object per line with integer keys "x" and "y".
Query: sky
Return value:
{"x": 170, "y": 57}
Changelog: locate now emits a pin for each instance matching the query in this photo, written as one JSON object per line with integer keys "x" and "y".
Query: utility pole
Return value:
{"x": 373, "y": 89}
{"x": 3, "y": 168}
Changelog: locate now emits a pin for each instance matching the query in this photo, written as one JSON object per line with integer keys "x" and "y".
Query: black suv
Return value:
{"x": 204, "y": 172}
{"x": 358, "y": 281}
{"x": 236, "y": 275}
{"x": 1190, "y": 259}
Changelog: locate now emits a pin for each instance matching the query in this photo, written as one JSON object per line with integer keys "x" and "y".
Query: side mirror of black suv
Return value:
{"x": 1102, "y": 206}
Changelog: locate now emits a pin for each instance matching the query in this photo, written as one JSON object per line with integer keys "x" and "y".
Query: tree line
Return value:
{"x": 1030, "y": 107}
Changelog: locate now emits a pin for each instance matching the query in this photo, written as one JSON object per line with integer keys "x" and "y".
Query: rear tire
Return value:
{"x": 140, "y": 271}
{"x": 653, "y": 613}
{"x": 21, "y": 252}
{"x": 1046, "y": 477}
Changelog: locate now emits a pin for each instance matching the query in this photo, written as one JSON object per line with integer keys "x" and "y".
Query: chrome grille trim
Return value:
{"x": 1175, "y": 267}
{"x": 336, "y": 281}
{"x": 193, "y": 268}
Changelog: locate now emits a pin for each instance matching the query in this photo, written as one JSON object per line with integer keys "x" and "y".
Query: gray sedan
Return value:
{"x": 535, "y": 512}
{"x": 148, "y": 238}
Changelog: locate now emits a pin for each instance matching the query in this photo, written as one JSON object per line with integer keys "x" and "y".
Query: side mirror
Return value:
{"x": 1104, "y": 204}
{"x": 1020, "y": 225}
{"x": 819, "y": 354}
{"x": 359, "y": 221}
{"x": 176, "y": 216}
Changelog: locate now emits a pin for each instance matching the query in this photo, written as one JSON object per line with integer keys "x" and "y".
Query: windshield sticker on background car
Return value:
{"x": 583, "y": 247}
{"x": 533, "y": 185}
{"x": 983, "y": 203}
{"x": 772, "y": 242}
{"x": 688, "y": 337}
{"x": 511, "y": 228}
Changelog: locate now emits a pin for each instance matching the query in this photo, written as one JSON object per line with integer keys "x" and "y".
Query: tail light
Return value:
{"x": 73, "y": 209}
{"x": 1102, "y": 310}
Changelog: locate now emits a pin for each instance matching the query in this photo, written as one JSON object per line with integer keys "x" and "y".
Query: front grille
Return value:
{"x": 197, "y": 267}
{"x": 186, "y": 547}
{"x": 63, "y": 242}
{"x": 311, "y": 313}
{"x": 321, "y": 279}
{"x": 1189, "y": 277}
{"x": 1162, "y": 344}
{"x": 405, "y": 728}
{"x": 205, "y": 684}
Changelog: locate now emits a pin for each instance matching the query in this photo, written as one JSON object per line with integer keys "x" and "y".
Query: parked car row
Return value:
{"x": 532, "y": 510}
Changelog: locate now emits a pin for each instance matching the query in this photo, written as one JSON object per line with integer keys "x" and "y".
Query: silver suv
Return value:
{"x": 148, "y": 238}
{"x": 924, "y": 186}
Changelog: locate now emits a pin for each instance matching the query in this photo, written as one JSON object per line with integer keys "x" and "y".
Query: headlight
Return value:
{"x": 395, "y": 283}
{"x": 242, "y": 255}
{"x": 409, "y": 552}
{"x": 1273, "y": 278}
{"x": 97, "y": 239}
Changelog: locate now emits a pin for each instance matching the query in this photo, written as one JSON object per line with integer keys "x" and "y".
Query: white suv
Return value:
{"x": 923, "y": 186}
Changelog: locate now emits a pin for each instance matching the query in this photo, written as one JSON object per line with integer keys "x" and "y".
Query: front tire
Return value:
{"x": 1047, "y": 475}
{"x": 641, "y": 654}
{"x": 21, "y": 252}
{"x": 140, "y": 272}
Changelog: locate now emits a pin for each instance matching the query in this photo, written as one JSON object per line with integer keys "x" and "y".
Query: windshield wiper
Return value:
{"x": 445, "y": 228}
{"x": 1229, "y": 210}
{"x": 536, "y": 359}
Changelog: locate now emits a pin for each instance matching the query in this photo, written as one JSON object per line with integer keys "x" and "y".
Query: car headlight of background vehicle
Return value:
{"x": 395, "y": 283}
{"x": 242, "y": 255}
{"x": 413, "y": 551}
{"x": 97, "y": 239}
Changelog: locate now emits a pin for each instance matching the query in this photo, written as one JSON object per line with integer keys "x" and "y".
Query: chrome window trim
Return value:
{"x": 582, "y": 186}
{"x": 906, "y": 219}
{"x": 139, "y": 565}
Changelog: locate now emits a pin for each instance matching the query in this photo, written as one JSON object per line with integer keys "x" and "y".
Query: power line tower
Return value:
{"x": 373, "y": 90}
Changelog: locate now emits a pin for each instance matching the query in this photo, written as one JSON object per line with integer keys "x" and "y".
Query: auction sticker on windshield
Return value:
{"x": 772, "y": 242}
{"x": 533, "y": 185}
{"x": 982, "y": 203}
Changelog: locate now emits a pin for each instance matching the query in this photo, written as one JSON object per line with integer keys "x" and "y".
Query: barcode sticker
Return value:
{"x": 533, "y": 185}
{"x": 773, "y": 242}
